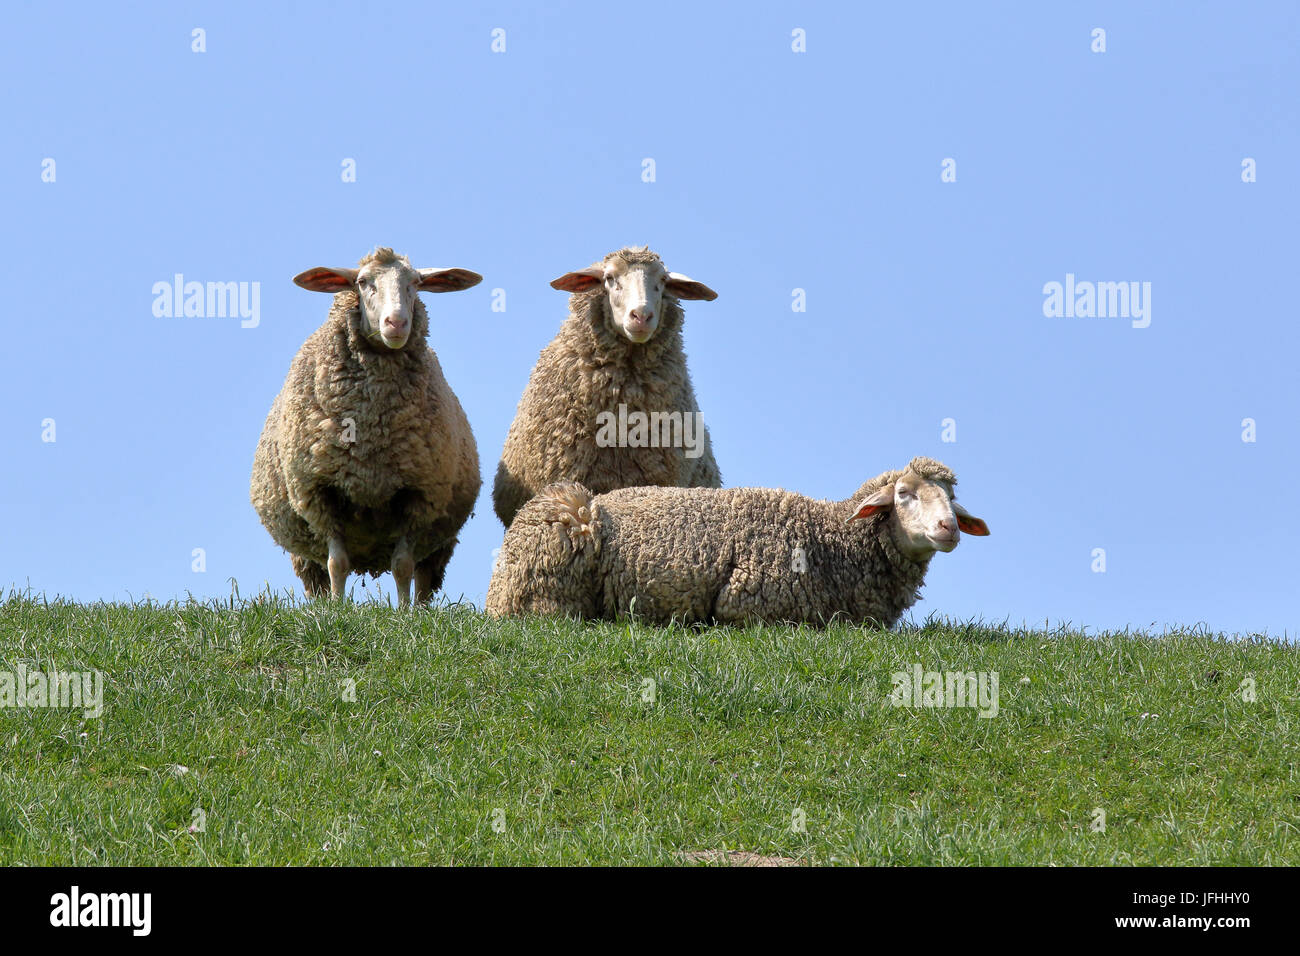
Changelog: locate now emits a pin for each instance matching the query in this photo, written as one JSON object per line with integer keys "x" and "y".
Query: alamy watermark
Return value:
{"x": 73, "y": 690}
{"x": 130, "y": 910}
{"x": 1098, "y": 300}
{"x": 921, "y": 688}
{"x": 651, "y": 430}
{"x": 211, "y": 300}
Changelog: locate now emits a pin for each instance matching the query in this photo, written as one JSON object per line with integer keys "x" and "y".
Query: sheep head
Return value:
{"x": 387, "y": 288}
{"x": 634, "y": 282}
{"x": 918, "y": 504}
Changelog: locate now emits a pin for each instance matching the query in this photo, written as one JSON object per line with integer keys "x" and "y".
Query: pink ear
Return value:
{"x": 879, "y": 500}
{"x": 448, "y": 280}
{"x": 968, "y": 523}
{"x": 866, "y": 511}
{"x": 684, "y": 287}
{"x": 325, "y": 279}
{"x": 583, "y": 280}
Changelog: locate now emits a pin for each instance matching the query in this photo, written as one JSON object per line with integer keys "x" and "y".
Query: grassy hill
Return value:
{"x": 270, "y": 733}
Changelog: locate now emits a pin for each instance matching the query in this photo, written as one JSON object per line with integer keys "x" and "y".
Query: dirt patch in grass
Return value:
{"x": 736, "y": 858}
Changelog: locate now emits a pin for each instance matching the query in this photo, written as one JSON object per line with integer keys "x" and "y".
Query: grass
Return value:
{"x": 227, "y": 738}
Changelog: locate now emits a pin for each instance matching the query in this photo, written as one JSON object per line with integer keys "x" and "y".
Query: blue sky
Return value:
{"x": 775, "y": 170}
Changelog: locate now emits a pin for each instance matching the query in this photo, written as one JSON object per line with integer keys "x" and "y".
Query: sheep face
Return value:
{"x": 387, "y": 289}
{"x": 635, "y": 293}
{"x": 922, "y": 516}
{"x": 387, "y": 295}
{"x": 634, "y": 282}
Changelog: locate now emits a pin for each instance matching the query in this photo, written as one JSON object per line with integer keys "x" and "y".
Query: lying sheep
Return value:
{"x": 367, "y": 462}
{"x": 610, "y": 403}
{"x": 738, "y": 555}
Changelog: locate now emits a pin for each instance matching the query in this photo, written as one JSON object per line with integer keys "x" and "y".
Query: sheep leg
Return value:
{"x": 315, "y": 582}
{"x": 430, "y": 572}
{"x": 339, "y": 567}
{"x": 403, "y": 570}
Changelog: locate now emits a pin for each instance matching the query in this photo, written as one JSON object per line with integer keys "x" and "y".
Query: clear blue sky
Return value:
{"x": 775, "y": 170}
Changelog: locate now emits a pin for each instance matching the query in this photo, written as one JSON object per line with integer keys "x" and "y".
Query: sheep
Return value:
{"x": 730, "y": 556}
{"x": 367, "y": 463}
{"x": 616, "y": 362}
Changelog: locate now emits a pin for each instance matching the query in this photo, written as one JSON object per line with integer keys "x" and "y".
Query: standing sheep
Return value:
{"x": 610, "y": 403}
{"x": 732, "y": 556}
{"x": 367, "y": 463}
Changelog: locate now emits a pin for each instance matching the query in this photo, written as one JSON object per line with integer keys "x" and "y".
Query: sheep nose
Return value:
{"x": 947, "y": 525}
{"x": 395, "y": 323}
{"x": 641, "y": 316}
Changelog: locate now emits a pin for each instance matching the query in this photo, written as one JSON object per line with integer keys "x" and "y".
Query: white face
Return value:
{"x": 388, "y": 294}
{"x": 635, "y": 292}
{"x": 924, "y": 517}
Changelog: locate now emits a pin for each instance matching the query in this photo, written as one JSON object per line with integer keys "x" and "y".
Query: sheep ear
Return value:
{"x": 448, "y": 280}
{"x": 324, "y": 279}
{"x": 877, "y": 501}
{"x": 968, "y": 523}
{"x": 684, "y": 287}
{"x": 581, "y": 281}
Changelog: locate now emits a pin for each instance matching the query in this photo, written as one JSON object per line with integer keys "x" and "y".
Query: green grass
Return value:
{"x": 457, "y": 717}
